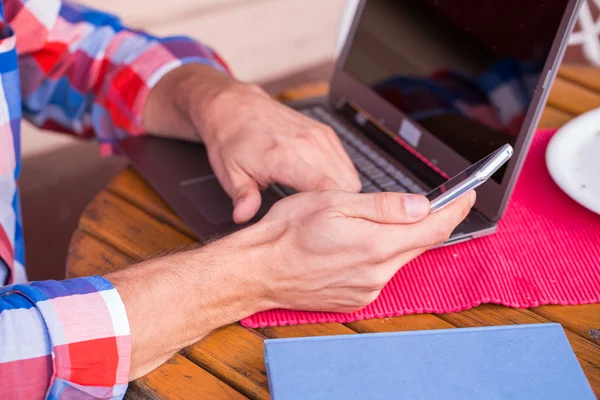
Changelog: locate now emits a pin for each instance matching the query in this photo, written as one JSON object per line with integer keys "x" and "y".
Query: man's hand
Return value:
{"x": 252, "y": 140}
{"x": 331, "y": 250}
{"x": 325, "y": 251}
{"x": 334, "y": 251}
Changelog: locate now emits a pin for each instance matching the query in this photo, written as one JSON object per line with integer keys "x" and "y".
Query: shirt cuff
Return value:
{"x": 89, "y": 334}
{"x": 129, "y": 89}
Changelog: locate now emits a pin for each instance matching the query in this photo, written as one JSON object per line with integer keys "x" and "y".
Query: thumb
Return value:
{"x": 246, "y": 197}
{"x": 387, "y": 208}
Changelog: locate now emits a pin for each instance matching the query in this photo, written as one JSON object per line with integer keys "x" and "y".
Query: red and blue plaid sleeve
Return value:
{"x": 63, "y": 340}
{"x": 83, "y": 72}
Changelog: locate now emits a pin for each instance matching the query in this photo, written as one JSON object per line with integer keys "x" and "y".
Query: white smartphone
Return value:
{"x": 469, "y": 179}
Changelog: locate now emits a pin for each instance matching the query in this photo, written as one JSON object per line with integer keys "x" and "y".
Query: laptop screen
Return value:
{"x": 465, "y": 70}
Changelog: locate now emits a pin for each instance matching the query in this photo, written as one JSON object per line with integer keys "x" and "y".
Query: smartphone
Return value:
{"x": 469, "y": 179}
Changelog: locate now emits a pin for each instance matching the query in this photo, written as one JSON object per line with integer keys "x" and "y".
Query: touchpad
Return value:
{"x": 209, "y": 197}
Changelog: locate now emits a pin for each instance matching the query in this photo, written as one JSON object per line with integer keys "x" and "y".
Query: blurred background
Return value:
{"x": 277, "y": 43}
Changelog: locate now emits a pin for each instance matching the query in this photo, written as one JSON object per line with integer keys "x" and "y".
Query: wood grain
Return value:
{"x": 554, "y": 118}
{"x": 129, "y": 229}
{"x": 315, "y": 89}
{"x": 179, "y": 378}
{"x": 130, "y": 185}
{"x": 581, "y": 75}
{"x": 89, "y": 256}
{"x": 403, "y": 323}
{"x": 570, "y": 97}
{"x": 290, "y": 331}
{"x": 235, "y": 355}
{"x": 578, "y": 319}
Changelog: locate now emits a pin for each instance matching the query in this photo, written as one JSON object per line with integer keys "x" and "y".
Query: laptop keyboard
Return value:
{"x": 376, "y": 173}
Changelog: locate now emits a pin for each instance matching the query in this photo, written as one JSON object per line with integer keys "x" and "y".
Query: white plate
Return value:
{"x": 573, "y": 159}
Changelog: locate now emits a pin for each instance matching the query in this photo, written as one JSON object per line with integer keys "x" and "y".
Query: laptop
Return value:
{"x": 422, "y": 89}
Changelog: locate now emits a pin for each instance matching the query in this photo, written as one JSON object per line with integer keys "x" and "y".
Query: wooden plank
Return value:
{"x": 587, "y": 352}
{"x": 129, "y": 229}
{"x": 585, "y": 76}
{"x": 235, "y": 355}
{"x": 554, "y": 118}
{"x": 305, "y": 330}
{"x": 573, "y": 98}
{"x": 131, "y": 186}
{"x": 179, "y": 378}
{"x": 404, "y": 323}
{"x": 88, "y": 256}
{"x": 580, "y": 319}
{"x": 315, "y": 89}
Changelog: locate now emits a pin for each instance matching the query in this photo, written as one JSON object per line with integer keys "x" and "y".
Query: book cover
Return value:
{"x": 506, "y": 362}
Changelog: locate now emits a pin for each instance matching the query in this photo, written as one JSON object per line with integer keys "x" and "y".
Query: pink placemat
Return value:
{"x": 547, "y": 251}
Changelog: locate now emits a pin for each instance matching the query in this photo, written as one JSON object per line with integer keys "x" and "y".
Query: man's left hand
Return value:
{"x": 252, "y": 140}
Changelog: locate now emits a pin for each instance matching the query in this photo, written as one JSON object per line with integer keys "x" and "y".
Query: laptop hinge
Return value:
{"x": 385, "y": 140}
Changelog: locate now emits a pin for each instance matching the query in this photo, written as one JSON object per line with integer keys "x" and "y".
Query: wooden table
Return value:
{"x": 128, "y": 221}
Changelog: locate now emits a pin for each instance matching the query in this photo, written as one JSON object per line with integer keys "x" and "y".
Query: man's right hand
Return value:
{"x": 334, "y": 251}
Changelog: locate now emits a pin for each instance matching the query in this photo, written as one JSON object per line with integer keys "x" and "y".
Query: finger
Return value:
{"x": 431, "y": 231}
{"x": 384, "y": 207}
{"x": 303, "y": 175}
{"x": 247, "y": 207}
{"x": 348, "y": 169}
{"x": 387, "y": 241}
{"x": 343, "y": 157}
{"x": 332, "y": 141}
{"x": 336, "y": 143}
{"x": 245, "y": 194}
{"x": 332, "y": 174}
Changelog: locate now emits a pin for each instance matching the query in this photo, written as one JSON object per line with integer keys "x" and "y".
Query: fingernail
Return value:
{"x": 416, "y": 206}
{"x": 239, "y": 201}
{"x": 473, "y": 198}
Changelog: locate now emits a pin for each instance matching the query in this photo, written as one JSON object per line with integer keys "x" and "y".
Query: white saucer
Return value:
{"x": 573, "y": 159}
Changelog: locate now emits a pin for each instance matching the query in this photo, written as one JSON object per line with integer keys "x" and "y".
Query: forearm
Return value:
{"x": 178, "y": 103}
{"x": 174, "y": 301}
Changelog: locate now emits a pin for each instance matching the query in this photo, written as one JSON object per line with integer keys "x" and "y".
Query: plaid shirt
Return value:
{"x": 73, "y": 69}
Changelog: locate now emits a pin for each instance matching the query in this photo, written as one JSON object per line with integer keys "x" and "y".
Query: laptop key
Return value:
{"x": 367, "y": 160}
{"x": 363, "y": 179}
{"x": 393, "y": 186}
{"x": 370, "y": 188}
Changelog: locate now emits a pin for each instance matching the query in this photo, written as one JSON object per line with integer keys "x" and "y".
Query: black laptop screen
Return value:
{"x": 465, "y": 70}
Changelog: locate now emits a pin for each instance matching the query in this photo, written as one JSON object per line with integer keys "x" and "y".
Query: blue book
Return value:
{"x": 505, "y": 362}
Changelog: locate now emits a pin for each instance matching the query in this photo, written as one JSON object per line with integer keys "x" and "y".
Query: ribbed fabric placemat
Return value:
{"x": 547, "y": 251}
